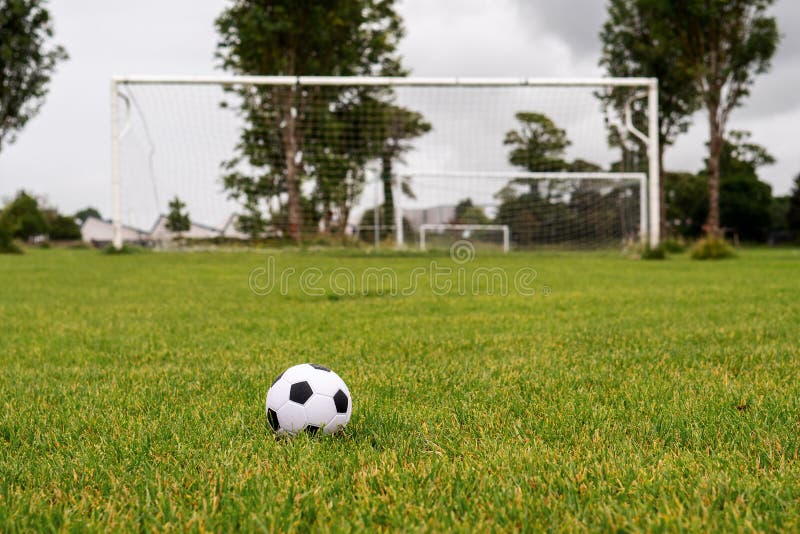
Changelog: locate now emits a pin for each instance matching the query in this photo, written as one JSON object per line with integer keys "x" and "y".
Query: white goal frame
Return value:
{"x": 423, "y": 228}
{"x": 650, "y": 209}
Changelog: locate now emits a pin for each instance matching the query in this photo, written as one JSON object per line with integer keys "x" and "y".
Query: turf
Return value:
{"x": 622, "y": 395}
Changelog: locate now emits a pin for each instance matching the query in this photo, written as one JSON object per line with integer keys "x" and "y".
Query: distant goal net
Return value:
{"x": 500, "y": 234}
{"x": 401, "y": 162}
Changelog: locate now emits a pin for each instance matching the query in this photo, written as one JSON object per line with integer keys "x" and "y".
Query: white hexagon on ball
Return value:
{"x": 308, "y": 398}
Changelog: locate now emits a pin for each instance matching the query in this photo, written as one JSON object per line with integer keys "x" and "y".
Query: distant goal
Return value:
{"x": 516, "y": 163}
{"x": 467, "y": 231}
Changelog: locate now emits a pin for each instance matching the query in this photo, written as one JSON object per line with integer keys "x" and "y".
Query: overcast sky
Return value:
{"x": 64, "y": 152}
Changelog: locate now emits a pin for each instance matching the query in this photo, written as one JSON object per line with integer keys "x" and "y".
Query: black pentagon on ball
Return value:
{"x": 272, "y": 417}
{"x": 340, "y": 399}
{"x": 320, "y": 367}
{"x": 276, "y": 379}
{"x": 300, "y": 392}
{"x": 311, "y": 429}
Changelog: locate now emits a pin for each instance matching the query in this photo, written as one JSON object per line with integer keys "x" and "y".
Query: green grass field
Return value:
{"x": 634, "y": 396}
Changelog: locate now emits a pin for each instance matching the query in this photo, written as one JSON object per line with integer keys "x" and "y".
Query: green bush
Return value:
{"x": 23, "y": 218}
{"x": 712, "y": 248}
{"x": 7, "y": 245}
{"x": 653, "y": 253}
{"x": 63, "y": 228}
{"x": 126, "y": 249}
{"x": 674, "y": 245}
{"x": 643, "y": 251}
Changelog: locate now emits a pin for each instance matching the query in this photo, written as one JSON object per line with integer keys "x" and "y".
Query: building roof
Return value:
{"x": 160, "y": 232}
{"x": 94, "y": 230}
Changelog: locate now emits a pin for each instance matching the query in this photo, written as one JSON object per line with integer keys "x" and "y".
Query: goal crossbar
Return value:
{"x": 396, "y": 81}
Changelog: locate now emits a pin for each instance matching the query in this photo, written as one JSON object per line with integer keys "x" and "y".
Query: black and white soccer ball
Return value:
{"x": 308, "y": 398}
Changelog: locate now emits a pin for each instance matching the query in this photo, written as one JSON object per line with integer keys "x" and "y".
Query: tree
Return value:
{"x": 687, "y": 202}
{"x": 468, "y": 213}
{"x": 64, "y": 228}
{"x": 779, "y": 218}
{"x": 793, "y": 215}
{"x": 745, "y": 200}
{"x": 723, "y": 45}
{"x": 745, "y": 203}
{"x": 7, "y": 245}
{"x": 540, "y": 214}
{"x": 309, "y": 216}
{"x": 23, "y": 218}
{"x": 398, "y": 126}
{"x": 177, "y": 220}
{"x": 362, "y": 126}
{"x": 538, "y": 144}
{"x": 26, "y": 63}
{"x": 634, "y": 44}
{"x": 581, "y": 165}
{"x": 366, "y": 226}
{"x": 61, "y": 227}
{"x": 299, "y": 37}
{"x": 85, "y": 213}
{"x": 251, "y": 222}
{"x": 532, "y": 218}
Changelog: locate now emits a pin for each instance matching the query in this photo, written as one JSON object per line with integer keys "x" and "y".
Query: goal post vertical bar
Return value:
{"x": 654, "y": 172}
{"x": 643, "y": 234}
{"x": 116, "y": 194}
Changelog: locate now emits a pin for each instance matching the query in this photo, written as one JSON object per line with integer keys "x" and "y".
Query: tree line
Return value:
{"x": 541, "y": 213}
{"x": 28, "y": 218}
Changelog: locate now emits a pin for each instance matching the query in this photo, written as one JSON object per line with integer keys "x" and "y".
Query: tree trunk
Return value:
{"x": 327, "y": 218}
{"x": 388, "y": 193}
{"x": 344, "y": 214}
{"x": 715, "y": 148}
{"x": 292, "y": 182}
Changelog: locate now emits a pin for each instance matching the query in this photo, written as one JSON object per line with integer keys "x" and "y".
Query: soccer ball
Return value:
{"x": 310, "y": 398}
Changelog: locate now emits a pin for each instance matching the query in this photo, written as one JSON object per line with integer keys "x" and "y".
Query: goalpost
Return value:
{"x": 552, "y": 162}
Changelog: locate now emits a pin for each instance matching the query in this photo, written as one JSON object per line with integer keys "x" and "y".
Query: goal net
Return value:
{"x": 558, "y": 163}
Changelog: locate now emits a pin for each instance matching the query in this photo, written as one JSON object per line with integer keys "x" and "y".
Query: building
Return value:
{"x": 161, "y": 233}
{"x": 433, "y": 215}
{"x": 100, "y": 233}
{"x": 231, "y": 231}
